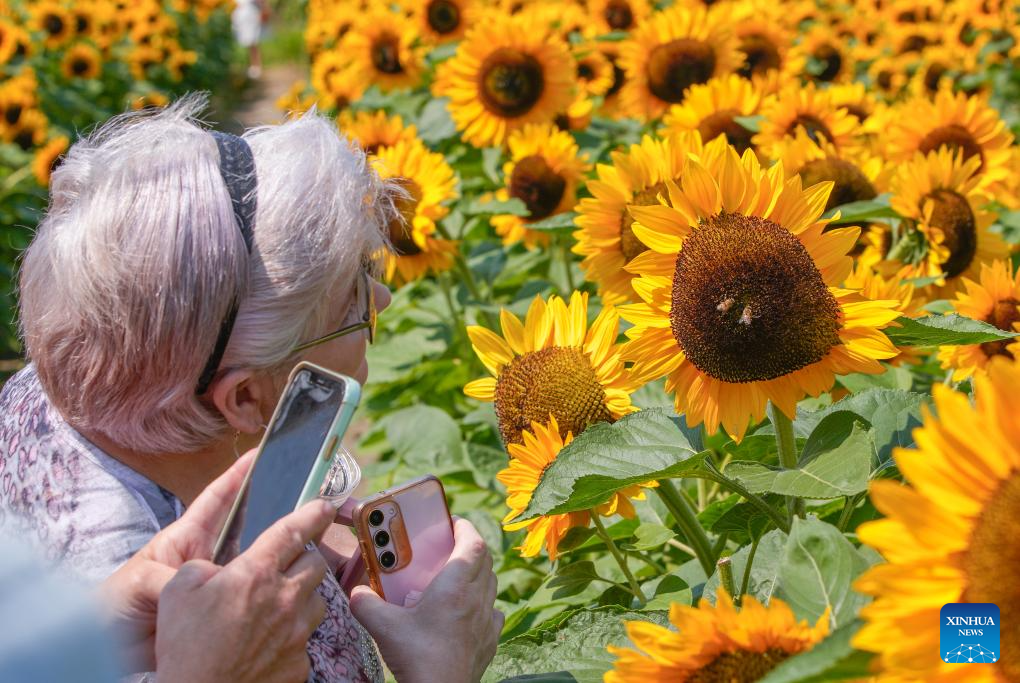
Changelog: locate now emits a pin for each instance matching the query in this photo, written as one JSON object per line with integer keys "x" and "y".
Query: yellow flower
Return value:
{"x": 442, "y": 21}
{"x": 719, "y": 643}
{"x": 543, "y": 171}
{"x": 741, "y": 304}
{"x": 507, "y": 73}
{"x": 46, "y": 159}
{"x": 429, "y": 183}
{"x": 636, "y": 177}
{"x": 29, "y": 131}
{"x": 764, "y": 40}
{"x": 82, "y": 61}
{"x": 671, "y": 51}
{"x": 856, "y": 174}
{"x": 384, "y": 51}
{"x": 828, "y": 59}
{"x": 553, "y": 364}
{"x": 15, "y": 42}
{"x": 150, "y": 100}
{"x": 375, "y": 130}
{"x": 950, "y": 535}
{"x": 712, "y": 109}
{"x": 333, "y": 80}
{"x": 54, "y": 21}
{"x": 618, "y": 15}
{"x": 594, "y": 70}
{"x": 180, "y": 62}
{"x": 141, "y": 59}
{"x": 809, "y": 109}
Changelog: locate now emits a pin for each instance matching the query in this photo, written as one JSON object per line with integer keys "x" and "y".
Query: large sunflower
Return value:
{"x": 939, "y": 194}
{"x": 543, "y": 171}
{"x": 995, "y": 299}
{"x": 636, "y": 177}
{"x": 553, "y": 364}
{"x": 797, "y": 107}
{"x": 713, "y": 108}
{"x": 384, "y": 51}
{"x": 715, "y": 643}
{"x": 671, "y": 51}
{"x": 528, "y": 462}
{"x": 507, "y": 72}
{"x": 442, "y": 21}
{"x": 429, "y": 183}
{"x": 82, "y": 61}
{"x": 949, "y": 536}
{"x": 375, "y": 130}
{"x": 741, "y": 298}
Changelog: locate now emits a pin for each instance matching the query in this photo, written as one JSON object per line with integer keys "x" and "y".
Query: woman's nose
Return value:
{"x": 382, "y": 295}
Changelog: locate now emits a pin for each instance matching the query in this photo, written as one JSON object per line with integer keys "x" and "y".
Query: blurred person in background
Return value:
{"x": 249, "y": 19}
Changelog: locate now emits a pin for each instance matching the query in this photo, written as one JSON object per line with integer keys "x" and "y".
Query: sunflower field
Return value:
{"x": 66, "y": 66}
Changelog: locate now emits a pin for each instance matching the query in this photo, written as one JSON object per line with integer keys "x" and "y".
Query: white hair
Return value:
{"x": 137, "y": 262}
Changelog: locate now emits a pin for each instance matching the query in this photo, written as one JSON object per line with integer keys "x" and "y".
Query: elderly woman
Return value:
{"x": 176, "y": 279}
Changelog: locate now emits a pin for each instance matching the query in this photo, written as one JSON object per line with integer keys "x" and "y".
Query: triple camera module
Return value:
{"x": 382, "y": 539}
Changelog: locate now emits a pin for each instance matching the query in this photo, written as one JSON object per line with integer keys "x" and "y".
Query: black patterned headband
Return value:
{"x": 237, "y": 166}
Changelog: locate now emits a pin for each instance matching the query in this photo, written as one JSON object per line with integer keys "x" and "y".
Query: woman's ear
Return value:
{"x": 244, "y": 397}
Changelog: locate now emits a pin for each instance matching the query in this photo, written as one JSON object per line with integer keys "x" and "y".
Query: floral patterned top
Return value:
{"x": 89, "y": 513}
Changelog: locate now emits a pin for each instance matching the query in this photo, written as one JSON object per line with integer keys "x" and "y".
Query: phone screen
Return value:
{"x": 302, "y": 422}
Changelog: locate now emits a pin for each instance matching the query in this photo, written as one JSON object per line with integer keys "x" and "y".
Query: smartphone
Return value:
{"x": 298, "y": 449}
{"x": 406, "y": 537}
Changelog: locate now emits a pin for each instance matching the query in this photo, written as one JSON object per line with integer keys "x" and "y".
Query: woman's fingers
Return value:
{"x": 210, "y": 509}
{"x": 307, "y": 571}
{"x": 469, "y": 555}
{"x": 285, "y": 541}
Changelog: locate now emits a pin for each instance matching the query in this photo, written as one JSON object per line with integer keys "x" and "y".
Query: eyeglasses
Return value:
{"x": 365, "y": 298}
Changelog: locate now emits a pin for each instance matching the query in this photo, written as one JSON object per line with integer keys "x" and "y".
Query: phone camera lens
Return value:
{"x": 376, "y": 518}
{"x": 382, "y": 539}
{"x": 387, "y": 559}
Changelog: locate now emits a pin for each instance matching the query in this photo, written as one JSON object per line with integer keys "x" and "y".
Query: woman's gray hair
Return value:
{"x": 135, "y": 265}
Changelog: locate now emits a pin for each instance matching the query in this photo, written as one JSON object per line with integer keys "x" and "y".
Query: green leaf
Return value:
{"x": 491, "y": 158}
{"x": 764, "y": 569}
{"x": 744, "y": 522}
{"x": 572, "y": 644}
{"x": 842, "y": 471}
{"x": 650, "y": 536}
{"x": 608, "y": 457}
{"x": 751, "y": 123}
{"x": 424, "y": 435}
{"x": 944, "y": 330}
{"x": 561, "y": 222}
{"x": 892, "y": 414}
{"x": 435, "y": 124}
{"x": 573, "y": 578}
{"x": 485, "y": 462}
{"x": 863, "y": 211}
{"x": 833, "y": 659}
{"x": 668, "y": 589}
{"x": 512, "y": 206}
{"x": 817, "y": 569}
{"x": 831, "y": 431}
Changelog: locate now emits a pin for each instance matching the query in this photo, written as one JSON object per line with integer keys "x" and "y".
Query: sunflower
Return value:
{"x": 442, "y": 21}
{"x": 740, "y": 298}
{"x": 333, "y": 80}
{"x": 618, "y": 15}
{"x": 939, "y": 194}
{"x": 553, "y": 364}
{"x": 827, "y": 58}
{"x": 764, "y": 42}
{"x": 809, "y": 109}
{"x": 54, "y": 21}
{"x": 720, "y": 643}
{"x": 29, "y": 131}
{"x": 15, "y": 42}
{"x": 935, "y": 70}
{"x": 543, "y": 171}
{"x": 384, "y": 52}
{"x": 856, "y": 175}
{"x": 888, "y": 76}
{"x": 82, "y": 61}
{"x": 47, "y": 158}
{"x": 636, "y": 177}
{"x": 528, "y": 461}
{"x": 713, "y": 108}
{"x": 507, "y": 72}
{"x": 150, "y": 100}
{"x": 143, "y": 58}
{"x": 375, "y": 130}
{"x": 14, "y": 102}
{"x": 950, "y": 535}
{"x": 671, "y": 51}
{"x": 897, "y": 287}
{"x": 611, "y": 106}
{"x": 180, "y": 62}
{"x": 429, "y": 183}
{"x": 594, "y": 70}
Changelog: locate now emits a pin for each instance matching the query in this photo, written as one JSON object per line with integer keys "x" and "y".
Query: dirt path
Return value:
{"x": 258, "y": 106}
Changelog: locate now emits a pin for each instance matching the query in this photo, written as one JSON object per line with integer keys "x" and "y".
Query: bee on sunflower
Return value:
{"x": 950, "y": 534}
{"x": 543, "y": 171}
{"x": 384, "y": 51}
{"x": 47, "y": 158}
{"x": 428, "y": 183}
{"x": 741, "y": 304}
{"x": 555, "y": 364}
{"x": 636, "y": 177}
{"x": 713, "y": 109}
{"x": 528, "y": 461}
{"x": 508, "y": 72}
{"x": 671, "y": 51}
{"x": 82, "y": 61}
{"x": 715, "y": 643}
{"x": 443, "y": 21}
{"x": 806, "y": 108}
{"x": 375, "y": 130}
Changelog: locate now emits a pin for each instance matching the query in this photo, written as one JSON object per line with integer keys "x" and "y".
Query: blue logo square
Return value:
{"x": 969, "y": 633}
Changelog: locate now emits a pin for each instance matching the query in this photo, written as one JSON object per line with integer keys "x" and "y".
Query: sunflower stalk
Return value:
{"x": 635, "y": 588}
{"x": 685, "y": 518}
{"x": 467, "y": 278}
{"x": 725, "y": 567}
{"x": 747, "y": 570}
{"x": 713, "y": 474}
{"x": 787, "y": 451}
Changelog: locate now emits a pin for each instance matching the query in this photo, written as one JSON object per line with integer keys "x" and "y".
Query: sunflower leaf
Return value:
{"x": 561, "y": 222}
{"x": 512, "y": 206}
{"x": 863, "y": 211}
{"x": 608, "y": 457}
{"x": 944, "y": 330}
{"x": 833, "y": 659}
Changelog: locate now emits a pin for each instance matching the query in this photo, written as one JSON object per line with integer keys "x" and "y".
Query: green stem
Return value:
{"x": 725, "y": 566}
{"x": 848, "y": 511}
{"x": 444, "y": 284}
{"x": 600, "y": 529}
{"x": 747, "y": 570}
{"x": 661, "y": 569}
{"x": 712, "y": 474}
{"x": 685, "y": 518}
{"x": 787, "y": 450}
{"x": 467, "y": 278}
{"x": 567, "y": 263}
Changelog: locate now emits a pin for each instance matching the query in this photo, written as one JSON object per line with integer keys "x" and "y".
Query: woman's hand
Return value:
{"x": 452, "y": 632}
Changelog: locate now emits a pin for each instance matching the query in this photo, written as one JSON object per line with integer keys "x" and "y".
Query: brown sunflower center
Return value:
{"x": 619, "y": 15}
{"x": 81, "y": 23}
{"x": 725, "y": 123}
{"x": 386, "y": 54}
{"x": 511, "y": 82}
{"x": 443, "y": 16}
{"x": 739, "y": 666}
{"x": 13, "y": 113}
{"x": 858, "y": 111}
{"x": 956, "y": 138}
{"x": 813, "y": 127}
{"x": 618, "y": 78}
{"x": 990, "y": 567}
{"x": 400, "y": 227}
{"x": 952, "y": 214}
{"x": 914, "y": 43}
{"x": 932, "y": 75}
{"x": 24, "y": 139}
{"x": 79, "y": 66}
{"x": 585, "y": 71}
{"x": 830, "y": 61}
{"x": 885, "y": 79}
{"x": 559, "y": 381}
{"x": 630, "y": 245}
{"x": 53, "y": 24}
{"x": 536, "y": 184}
{"x": 760, "y": 55}
{"x": 850, "y": 184}
{"x": 675, "y": 66}
{"x": 1004, "y": 315}
{"x": 748, "y": 301}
